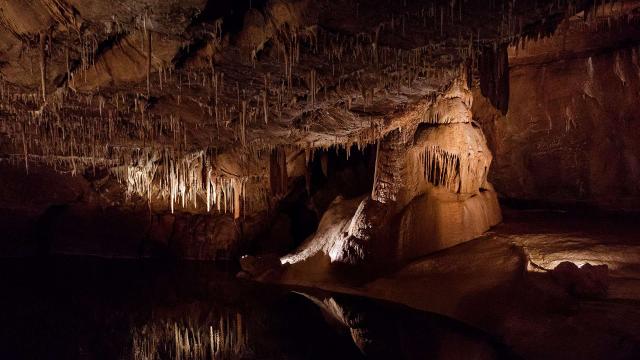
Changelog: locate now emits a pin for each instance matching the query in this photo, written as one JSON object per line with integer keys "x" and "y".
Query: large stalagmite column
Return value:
{"x": 432, "y": 190}
{"x": 449, "y": 198}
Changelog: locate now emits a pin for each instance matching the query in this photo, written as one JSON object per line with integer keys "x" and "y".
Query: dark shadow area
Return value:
{"x": 44, "y": 226}
{"x": 573, "y": 208}
{"x": 232, "y": 13}
{"x": 89, "y": 308}
{"x": 542, "y": 217}
{"x": 330, "y": 174}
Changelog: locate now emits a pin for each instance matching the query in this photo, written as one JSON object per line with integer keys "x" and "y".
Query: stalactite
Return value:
{"x": 43, "y": 65}
{"x": 66, "y": 55}
{"x": 236, "y": 187}
{"x": 441, "y": 168}
{"x": 375, "y": 171}
{"x": 243, "y": 124}
{"x": 148, "y": 62}
{"x": 312, "y": 89}
{"x": 265, "y": 108}
{"x": 26, "y": 151}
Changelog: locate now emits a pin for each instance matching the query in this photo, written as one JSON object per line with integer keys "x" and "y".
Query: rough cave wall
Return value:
{"x": 571, "y": 134}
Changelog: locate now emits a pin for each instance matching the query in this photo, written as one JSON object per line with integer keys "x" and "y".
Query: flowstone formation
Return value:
{"x": 430, "y": 192}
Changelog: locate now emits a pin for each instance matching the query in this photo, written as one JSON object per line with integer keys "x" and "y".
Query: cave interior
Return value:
{"x": 222, "y": 179}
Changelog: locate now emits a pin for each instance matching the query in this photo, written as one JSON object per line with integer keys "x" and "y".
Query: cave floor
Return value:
{"x": 501, "y": 284}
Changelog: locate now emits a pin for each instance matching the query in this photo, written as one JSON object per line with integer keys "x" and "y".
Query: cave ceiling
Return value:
{"x": 91, "y": 83}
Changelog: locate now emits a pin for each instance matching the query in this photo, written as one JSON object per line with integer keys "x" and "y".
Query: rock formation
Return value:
{"x": 569, "y": 137}
{"x": 430, "y": 192}
{"x": 227, "y": 112}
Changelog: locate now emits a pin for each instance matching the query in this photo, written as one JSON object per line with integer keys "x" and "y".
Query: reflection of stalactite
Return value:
{"x": 494, "y": 75}
{"x": 278, "y": 172}
{"x": 224, "y": 338}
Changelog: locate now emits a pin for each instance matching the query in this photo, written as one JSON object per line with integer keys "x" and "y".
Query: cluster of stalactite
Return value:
{"x": 358, "y": 64}
{"x": 441, "y": 168}
{"x": 348, "y": 56}
{"x": 456, "y": 172}
{"x": 71, "y": 131}
{"x": 186, "y": 181}
{"x": 145, "y": 151}
{"x": 607, "y": 14}
{"x": 153, "y": 152}
{"x": 355, "y": 65}
{"x": 149, "y": 153}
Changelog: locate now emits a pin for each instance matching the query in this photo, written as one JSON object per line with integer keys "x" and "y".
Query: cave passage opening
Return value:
{"x": 330, "y": 173}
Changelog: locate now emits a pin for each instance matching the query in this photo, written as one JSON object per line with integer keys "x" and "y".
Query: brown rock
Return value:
{"x": 590, "y": 281}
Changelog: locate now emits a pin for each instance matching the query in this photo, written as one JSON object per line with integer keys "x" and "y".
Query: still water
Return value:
{"x": 88, "y": 308}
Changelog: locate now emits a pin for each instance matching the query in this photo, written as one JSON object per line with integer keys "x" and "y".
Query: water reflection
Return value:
{"x": 70, "y": 308}
{"x": 226, "y": 339}
{"x": 385, "y": 331}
